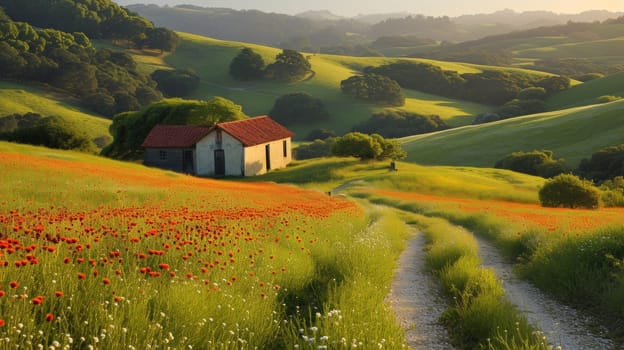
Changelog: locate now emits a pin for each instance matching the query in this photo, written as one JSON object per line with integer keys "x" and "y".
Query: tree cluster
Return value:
{"x": 489, "y": 87}
{"x": 363, "y": 146}
{"x": 298, "y": 107}
{"x": 315, "y": 149}
{"x": 604, "y": 164}
{"x": 374, "y": 88}
{"x": 130, "y": 129}
{"x": 52, "y": 132}
{"x": 98, "y": 19}
{"x": 395, "y": 124}
{"x": 537, "y": 163}
{"x": 289, "y": 66}
{"x": 176, "y": 82}
{"x": 106, "y": 81}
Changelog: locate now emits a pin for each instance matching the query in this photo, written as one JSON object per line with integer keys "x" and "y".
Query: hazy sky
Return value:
{"x": 426, "y": 7}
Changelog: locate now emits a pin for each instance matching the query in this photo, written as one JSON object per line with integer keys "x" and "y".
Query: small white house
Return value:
{"x": 245, "y": 147}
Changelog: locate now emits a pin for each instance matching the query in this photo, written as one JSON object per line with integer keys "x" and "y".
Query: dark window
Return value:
{"x": 285, "y": 145}
{"x": 219, "y": 137}
{"x": 267, "y": 151}
{"x": 162, "y": 155}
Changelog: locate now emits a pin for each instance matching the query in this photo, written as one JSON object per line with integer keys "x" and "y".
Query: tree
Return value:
{"x": 176, "y": 82}
{"x": 289, "y": 66}
{"x": 162, "y": 39}
{"x": 374, "y": 88}
{"x": 315, "y": 149}
{"x": 554, "y": 84}
{"x": 567, "y": 190}
{"x": 247, "y": 65}
{"x": 400, "y": 123}
{"x": 320, "y": 134}
{"x": 356, "y": 144}
{"x": 298, "y": 107}
{"x": 604, "y": 164}
{"x": 538, "y": 163}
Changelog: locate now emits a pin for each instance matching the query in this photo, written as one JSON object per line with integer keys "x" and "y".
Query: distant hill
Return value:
{"x": 313, "y": 30}
{"x": 573, "y": 48}
{"x": 573, "y": 134}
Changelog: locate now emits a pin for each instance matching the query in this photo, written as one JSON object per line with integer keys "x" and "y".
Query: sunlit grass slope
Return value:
{"x": 211, "y": 59}
{"x": 468, "y": 182}
{"x": 21, "y": 98}
{"x": 587, "y": 93}
{"x": 573, "y": 134}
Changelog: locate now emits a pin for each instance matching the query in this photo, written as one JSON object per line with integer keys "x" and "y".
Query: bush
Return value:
{"x": 607, "y": 98}
{"x": 567, "y": 190}
{"x": 52, "y": 132}
{"x": 538, "y": 163}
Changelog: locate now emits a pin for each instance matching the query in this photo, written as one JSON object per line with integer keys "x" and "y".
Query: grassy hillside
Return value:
{"x": 21, "y": 98}
{"x": 486, "y": 183}
{"x": 572, "y": 134}
{"x": 587, "y": 93}
{"x": 258, "y": 97}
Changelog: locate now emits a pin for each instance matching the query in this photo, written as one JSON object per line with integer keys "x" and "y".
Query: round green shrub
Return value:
{"x": 567, "y": 190}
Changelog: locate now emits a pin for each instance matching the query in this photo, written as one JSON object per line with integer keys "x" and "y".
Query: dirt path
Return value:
{"x": 416, "y": 300}
{"x": 560, "y": 324}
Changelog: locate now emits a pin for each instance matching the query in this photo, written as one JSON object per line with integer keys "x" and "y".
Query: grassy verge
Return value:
{"x": 580, "y": 265}
{"x": 480, "y": 315}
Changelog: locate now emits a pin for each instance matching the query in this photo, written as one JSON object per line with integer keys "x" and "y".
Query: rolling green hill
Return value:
{"x": 210, "y": 58}
{"x": 587, "y": 93}
{"x": 21, "y": 98}
{"x": 572, "y": 134}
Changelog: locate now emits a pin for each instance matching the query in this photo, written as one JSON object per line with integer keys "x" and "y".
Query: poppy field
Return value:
{"x": 99, "y": 254}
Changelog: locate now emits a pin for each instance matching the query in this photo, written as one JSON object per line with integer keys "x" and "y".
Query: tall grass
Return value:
{"x": 479, "y": 316}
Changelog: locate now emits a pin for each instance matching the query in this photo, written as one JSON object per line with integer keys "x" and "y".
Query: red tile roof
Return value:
{"x": 256, "y": 130}
{"x": 175, "y": 136}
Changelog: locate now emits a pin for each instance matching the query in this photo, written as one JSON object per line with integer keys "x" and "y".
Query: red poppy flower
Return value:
{"x": 49, "y": 317}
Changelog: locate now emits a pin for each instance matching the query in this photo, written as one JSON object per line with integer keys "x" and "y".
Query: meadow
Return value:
{"x": 573, "y": 255}
{"x": 102, "y": 254}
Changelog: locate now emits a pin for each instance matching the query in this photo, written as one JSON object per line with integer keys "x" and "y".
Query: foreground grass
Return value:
{"x": 574, "y": 255}
{"x": 103, "y": 254}
{"x": 480, "y": 316}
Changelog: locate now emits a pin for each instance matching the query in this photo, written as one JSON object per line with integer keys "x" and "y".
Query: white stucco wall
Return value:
{"x": 251, "y": 160}
{"x": 232, "y": 149}
{"x": 255, "y": 157}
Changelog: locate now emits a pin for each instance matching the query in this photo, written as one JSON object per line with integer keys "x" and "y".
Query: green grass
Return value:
{"x": 485, "y": 183}
{"x": 572, "y": 134}
{"x": 602, "y": 51}
{"x": 22, "y": 98}
{"x": 588, "y": 93}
